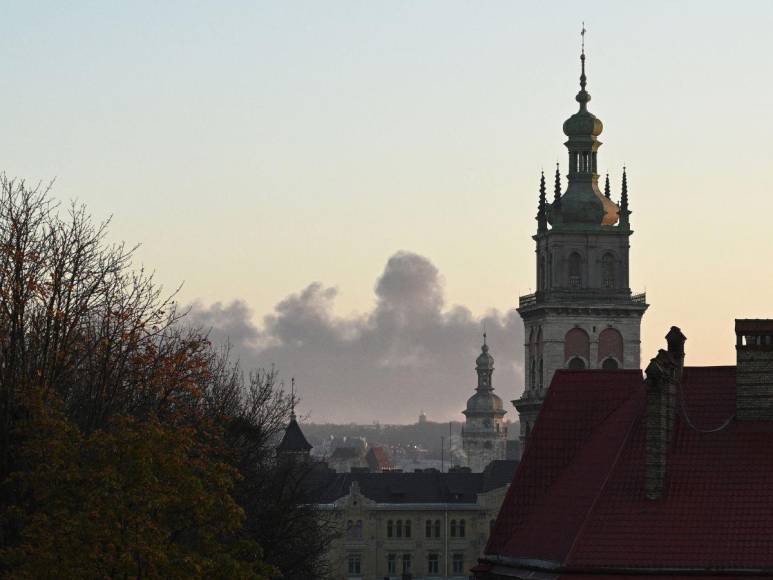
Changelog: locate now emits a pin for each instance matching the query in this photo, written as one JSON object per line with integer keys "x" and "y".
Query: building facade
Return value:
{"x": 583, "y": 314}
{"x": 484, "y": 435}
{"x": 413, "y": 525}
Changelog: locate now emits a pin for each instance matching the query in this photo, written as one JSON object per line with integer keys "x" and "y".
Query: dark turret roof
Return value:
{"x": 294, "y": 440}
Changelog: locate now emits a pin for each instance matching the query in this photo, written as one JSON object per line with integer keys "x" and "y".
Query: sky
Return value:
{"x": 286, "y": 162}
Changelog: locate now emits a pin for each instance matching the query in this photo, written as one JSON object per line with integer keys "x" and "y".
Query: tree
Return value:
{"x": 110, "y": 464}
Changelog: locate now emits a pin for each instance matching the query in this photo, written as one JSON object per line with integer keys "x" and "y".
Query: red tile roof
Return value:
{"x": 577, "y": 501}
{"x": 378, "y": 460}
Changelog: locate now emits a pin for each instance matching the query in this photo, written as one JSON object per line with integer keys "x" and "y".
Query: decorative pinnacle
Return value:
{"x": 557, "y": 189}
{"x": 624, "y": 212}
{"x": 606, "y": 187}
{"x": 542, "y": 208}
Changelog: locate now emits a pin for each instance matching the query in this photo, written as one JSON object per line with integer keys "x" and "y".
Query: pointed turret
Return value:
{"x": 607, "y": 191}
{"x": 542, "y": 214}
{"x": 294, "y": 442}
{"x": 624, "y": 211}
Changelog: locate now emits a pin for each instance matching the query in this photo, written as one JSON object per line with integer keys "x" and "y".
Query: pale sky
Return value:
{"x": 256, "y": 147}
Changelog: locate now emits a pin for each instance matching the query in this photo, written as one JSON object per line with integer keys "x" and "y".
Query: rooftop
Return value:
{"x": 422, "y": 487}
{"x": 578, "y": 501}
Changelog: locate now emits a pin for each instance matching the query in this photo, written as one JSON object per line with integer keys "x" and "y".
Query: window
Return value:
{"x": 575, "y": 270}
{"x": 457, "y": 565}
{"x": 437, "y": 528}
{"x": 610, "y": 364}
{"x": 453, "y": 528}
{"x": 406, "y": 563}
{"x": 610, "y": 347}
{"x": 391, "y": 563}
{"x": 407, "y": 528}
{"x": 491, "y": 526}
{"x": 428, "y": 529}
{"x": 399, "y": 529}
{"x": 354, "y": 530}
{"x": 433, "y": 564}
{"x": 576, "y": 363}
{"x": 608, "y": 267}
{"x": 390, "y": 528}
{"x": 355, "y": 565}
{"x": 576, "y": 344}
{"x": 461, "y": 528}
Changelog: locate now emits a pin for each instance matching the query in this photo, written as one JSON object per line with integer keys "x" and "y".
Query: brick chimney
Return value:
{"x": 754, "y": 369}
{"x": 661, "y": 405}
{"x": 675, "y": 340}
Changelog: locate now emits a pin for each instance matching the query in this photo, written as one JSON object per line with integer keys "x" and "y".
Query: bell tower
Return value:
{"x": 484, "y": 435}
{"x": 583, "y": 314}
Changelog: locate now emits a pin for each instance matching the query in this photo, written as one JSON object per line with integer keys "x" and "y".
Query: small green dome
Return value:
{"x": 583, "y": 124}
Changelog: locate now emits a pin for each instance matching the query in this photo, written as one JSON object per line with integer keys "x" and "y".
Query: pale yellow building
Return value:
{"x": 412, "y": 525}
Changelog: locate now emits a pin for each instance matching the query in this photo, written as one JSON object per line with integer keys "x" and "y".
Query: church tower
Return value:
{"x": 583, "y": 315}
{"x": 484, "y": 436}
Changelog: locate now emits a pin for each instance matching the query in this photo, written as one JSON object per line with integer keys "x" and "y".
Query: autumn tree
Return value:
{"x": 112, "y": 462}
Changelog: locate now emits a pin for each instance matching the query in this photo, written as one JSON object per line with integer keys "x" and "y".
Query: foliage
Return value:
{"x": 128, "y": 446}
{"x": 138, "y": 499}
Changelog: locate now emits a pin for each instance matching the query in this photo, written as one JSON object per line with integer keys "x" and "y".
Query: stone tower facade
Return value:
{"x": 583, "y": 314}
{"x": 484, "y": 435}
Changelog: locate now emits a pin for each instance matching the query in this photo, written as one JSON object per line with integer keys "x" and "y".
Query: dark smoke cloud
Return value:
{"x": 409, "y": 353}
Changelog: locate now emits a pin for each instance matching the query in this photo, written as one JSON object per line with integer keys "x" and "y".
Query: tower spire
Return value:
{"x": 583, "y": 97}
{"x": 542, "y": 214}
{"x": 606, "y": 187}
{"x": 557, "y": 188}
{"x": 292, "y": 398}
{"x": 624, "y": 211}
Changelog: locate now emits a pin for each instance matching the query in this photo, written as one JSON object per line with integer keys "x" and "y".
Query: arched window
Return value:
{"x": 453, "y": 528}
{"x": 428, "y": 529}
{"x": 399, "y": 529}
{"x": 577, "y": 345}
{"x": 608, "y": 267}
{"x": 575, "y": 270}
{"x": 576, "y": 363}
{"x": 407, "y": 528}
{"x": 610, "y": 347}
{"x": 541, "y": 283}
{"x": 461, "y": 528}
{"x": 437, "y": 528}
{"x": 390, "y": 528}
{"x": 610, "y": 364}
{"x": 532, "y": 374}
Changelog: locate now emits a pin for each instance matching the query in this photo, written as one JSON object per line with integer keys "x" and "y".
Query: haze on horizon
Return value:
{"x": 348, "y": 189}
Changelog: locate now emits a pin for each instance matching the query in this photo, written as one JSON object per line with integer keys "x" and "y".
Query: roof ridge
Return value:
{"x": 631, "y": 402}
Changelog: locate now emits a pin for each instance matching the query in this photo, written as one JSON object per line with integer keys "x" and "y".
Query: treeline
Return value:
{"x": 129, "y": 446}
